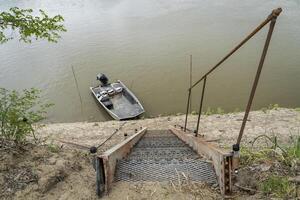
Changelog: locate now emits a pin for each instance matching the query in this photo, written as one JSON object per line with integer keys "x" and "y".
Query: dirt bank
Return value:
{"x": 223, "y": 128}
{"x": 61, "y": 167}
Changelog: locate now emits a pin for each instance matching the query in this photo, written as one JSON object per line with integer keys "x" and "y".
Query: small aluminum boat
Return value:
{"x": 117, "y": 99}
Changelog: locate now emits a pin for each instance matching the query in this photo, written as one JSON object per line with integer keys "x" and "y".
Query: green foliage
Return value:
{"x": 211, "y": 111}
{"x": 28, "y": 26}
{"x": 53, "y": 148}
{"x": 237, "y": 110}
{"x": 270, "y": 107}
{"x": 264, "y": 109}
{"x": 288, "y": 155}
{"x": 194, "y": 112}
{"x": 273, "y": 107}
{"x": 295, "y": 150}
{"x": 220, "y": 111}
{"x": 248, "y": 156}
{"x": 292, "y": 156}
{"x": 278, "y": 186}
{"x": 284, "y": 160}
{"x": 18, "y": 112}
{"x": 297, "y": 109}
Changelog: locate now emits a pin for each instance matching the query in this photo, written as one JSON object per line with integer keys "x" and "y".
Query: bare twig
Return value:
{"x": 247, "y": 189}
{"x": 179, "y": 180}
{"x": 153, "y": 192}
{"x": 174, "y": 187}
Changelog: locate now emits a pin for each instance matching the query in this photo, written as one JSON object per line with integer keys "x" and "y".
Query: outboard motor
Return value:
{"x": 103, "y": 79}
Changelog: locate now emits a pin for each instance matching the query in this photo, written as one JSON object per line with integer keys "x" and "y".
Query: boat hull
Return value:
{"x": 125, "y": 104}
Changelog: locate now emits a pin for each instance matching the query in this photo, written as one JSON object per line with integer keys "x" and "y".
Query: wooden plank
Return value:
{"x": 118, "y": 152}
{"x": 220, "y": 158}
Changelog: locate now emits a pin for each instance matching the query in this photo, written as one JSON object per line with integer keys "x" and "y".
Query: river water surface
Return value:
{"x": 146, "y": 44}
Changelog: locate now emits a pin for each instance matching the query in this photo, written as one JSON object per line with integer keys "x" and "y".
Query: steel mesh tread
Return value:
{"x": 164, "y": 170}
{"x": 163, "y": 153}
{"x": 159, "y": 156}
{"x": 159, "y": 134}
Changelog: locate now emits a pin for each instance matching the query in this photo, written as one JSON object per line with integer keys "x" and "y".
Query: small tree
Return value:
{"x": 28, "y": 26}
{"x": 18, "y": 112}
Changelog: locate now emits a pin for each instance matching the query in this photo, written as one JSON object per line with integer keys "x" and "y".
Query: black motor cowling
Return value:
{"x": 102, "y": 78}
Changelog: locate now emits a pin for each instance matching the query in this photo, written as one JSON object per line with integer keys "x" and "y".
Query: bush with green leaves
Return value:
{"x": 289, "y": 154}
{"x": 18, "y": 112}
{"x": 28, "y": 26}
{"x": 279, "y": 187}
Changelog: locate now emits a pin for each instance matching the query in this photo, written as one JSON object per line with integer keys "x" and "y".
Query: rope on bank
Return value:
{"x": 79, "y": 146}
{"x": 94, "y": 149}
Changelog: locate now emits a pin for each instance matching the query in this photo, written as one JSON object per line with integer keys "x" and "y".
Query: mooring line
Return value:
{"x": 87, "y": 147}
{"x": 117, "y": 130}
{"x": 74, "y": 144}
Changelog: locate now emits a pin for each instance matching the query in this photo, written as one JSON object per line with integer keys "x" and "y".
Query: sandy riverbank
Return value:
{"x": 61, "y": 168}
{"x": 223, "y": 128}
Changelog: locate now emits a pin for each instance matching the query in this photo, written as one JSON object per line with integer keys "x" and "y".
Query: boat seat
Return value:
{"x": 104, "y": 98}
{"x": 111, "y": 92}
{"x": 117, "y": 87}
{"x": 106, "y": 101}
{"x": 108, "y": 104}
{"x": 103, "y": 92}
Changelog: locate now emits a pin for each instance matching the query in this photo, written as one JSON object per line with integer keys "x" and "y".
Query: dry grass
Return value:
{"x": 198, "y": 190}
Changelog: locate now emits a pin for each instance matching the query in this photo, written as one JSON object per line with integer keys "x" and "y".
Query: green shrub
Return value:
{"x": 237, "y": 110}
{"x": 292, "y": 155}
{"x": 273, "y": 107}
{"x": 278, "y": 186}
{"x": 209, "y": 111}
{"x": 264, "y": 109}
{"x": 194, "y": 112}
{"x": 18, "y": 112}
{"x": 220, "y": 111}
{"x": 249, "y": 156}
{"x": 53, "y": 148}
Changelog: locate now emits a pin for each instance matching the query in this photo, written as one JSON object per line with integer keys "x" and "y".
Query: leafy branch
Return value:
{"x": 28, "y": 26}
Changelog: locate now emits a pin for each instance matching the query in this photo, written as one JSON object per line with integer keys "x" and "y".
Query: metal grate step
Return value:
{"x": 163, "y": 170}
{"x": 162, "y": 153}
{"x": 160, "y": 156}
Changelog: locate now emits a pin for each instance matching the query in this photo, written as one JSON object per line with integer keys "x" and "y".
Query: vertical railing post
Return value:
{"x": 200, "y": 107}
{"x": 254, "y": 86}
{"x": 187, "y": 109}
{"x": 191, "y": 78}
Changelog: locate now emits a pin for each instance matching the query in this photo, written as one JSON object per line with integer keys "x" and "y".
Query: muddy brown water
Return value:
{"x": 147, "y": 44}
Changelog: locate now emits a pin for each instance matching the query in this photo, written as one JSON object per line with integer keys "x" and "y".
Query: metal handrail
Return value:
{"x": 274, "y": 14}
{"x": 271, "y": 18}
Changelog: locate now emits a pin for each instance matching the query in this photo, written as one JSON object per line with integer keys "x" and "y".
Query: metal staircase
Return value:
{"x": 162, "y": 156}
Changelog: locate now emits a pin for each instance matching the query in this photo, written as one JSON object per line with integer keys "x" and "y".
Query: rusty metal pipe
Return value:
{"x": 274, "y": 14}
{"x": 260, "y": 66}
{"x": 200, "y": 108}
{"x": 187, "y": 110}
